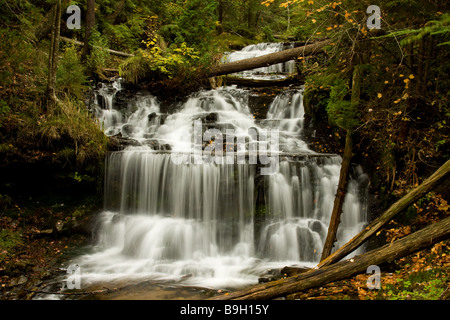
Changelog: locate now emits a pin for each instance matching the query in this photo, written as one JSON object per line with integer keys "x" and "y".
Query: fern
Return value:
{"x": 433, "y": 27}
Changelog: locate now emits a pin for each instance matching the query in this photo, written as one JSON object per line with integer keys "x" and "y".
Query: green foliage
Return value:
{"x": 425, "y": 285}
{"x": 71, "y": 129}
{"x": 155, "y": 64}
{"x": 70, "y": 76}
{"x": 332, "y": 93}
{"x": 196, "y": 21}
{"x": 268, "y": 34}
{"x": 9, "y": 241}
{"x": 98, "y": 57}
{"x": 340, "y": 109}
{"x": 439, "y": 28}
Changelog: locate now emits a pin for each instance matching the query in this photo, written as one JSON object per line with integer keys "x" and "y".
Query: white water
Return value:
{"x": 276, "y": 71}
{"x": 202, "y": 224}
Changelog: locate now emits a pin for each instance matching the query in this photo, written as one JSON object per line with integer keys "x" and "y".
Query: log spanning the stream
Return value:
{"x": 268, "y": 59}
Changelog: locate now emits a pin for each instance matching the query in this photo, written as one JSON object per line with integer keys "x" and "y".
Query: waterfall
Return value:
{"x": 276, "y": 71}
{"x": 170, "y": 214}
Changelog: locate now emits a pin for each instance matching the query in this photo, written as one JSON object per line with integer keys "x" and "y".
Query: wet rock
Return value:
{"x": 152, "y": 116}
{"x": 208, "y": 117}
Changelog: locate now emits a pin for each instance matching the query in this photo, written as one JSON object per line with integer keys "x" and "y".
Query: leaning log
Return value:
{"x": 414, "y": 242}
{"x": 428, "y": 185}
{"x": 340, "y": 197}
{"x": 268, "y": 59}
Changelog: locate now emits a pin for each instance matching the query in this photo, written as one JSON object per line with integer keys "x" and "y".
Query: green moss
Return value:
{"x": 9, "y": 241}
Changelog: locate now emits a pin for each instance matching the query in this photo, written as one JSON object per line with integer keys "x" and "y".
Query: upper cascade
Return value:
{"x": 273, "y": 72}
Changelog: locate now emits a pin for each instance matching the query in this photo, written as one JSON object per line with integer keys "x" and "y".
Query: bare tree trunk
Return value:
{"x": 90, "y": 22}
{"x": 268, "y": 59}
{"x": 288, "y": 18}
{"x": 53, "y": 54}
{"x": 312, "y": 278}
{"x": 428, "y": 185}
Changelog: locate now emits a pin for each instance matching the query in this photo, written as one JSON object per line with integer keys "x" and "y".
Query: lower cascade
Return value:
{"x": 186, "y": 200}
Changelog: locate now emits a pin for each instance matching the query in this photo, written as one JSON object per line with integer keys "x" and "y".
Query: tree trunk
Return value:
{"x": 220, "y": 11}
{"x": 53, "y": 54}
{"x": 90, "y": 22}
{"x": 429, "y": 184}
{"x": 346, "y": 161}
{"x": 268, "y": 59}
{"x": 414, "y": 242}
{"x": 340, "y": 197}
{"x": 288, "y": 18}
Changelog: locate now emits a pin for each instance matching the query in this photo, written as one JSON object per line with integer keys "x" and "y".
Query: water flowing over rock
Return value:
{"x": 170, "y": 213}
{"x": 273, "y": 72}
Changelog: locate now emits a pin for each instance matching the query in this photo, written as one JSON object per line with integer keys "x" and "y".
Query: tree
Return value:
{"x": 90, "y": 23}
{"x": 53, "y": 54}
{"x": 346, "y": 162}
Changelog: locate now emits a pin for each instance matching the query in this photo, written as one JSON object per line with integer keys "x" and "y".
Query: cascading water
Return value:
{"x": 204, "y": 223}
{"x": 276, "y": 71}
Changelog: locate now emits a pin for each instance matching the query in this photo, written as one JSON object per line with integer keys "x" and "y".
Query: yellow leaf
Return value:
{"x": 379, "y": 95}
{"x": 411, "y": 76}
{"x": 401, "y": 75}
{"x": 314, "y": 20}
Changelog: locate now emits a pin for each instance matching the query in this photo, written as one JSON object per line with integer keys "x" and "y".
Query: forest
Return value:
{"x": 375, "y": 87}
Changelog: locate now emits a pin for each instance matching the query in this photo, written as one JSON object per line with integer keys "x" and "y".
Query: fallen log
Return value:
{"x": 268, "y": 59}
{"x": 255, "y": 83}
{"x": 428, "y": 185}
{"x": 414, "y": 242}
{"x": 117, "y": 53}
